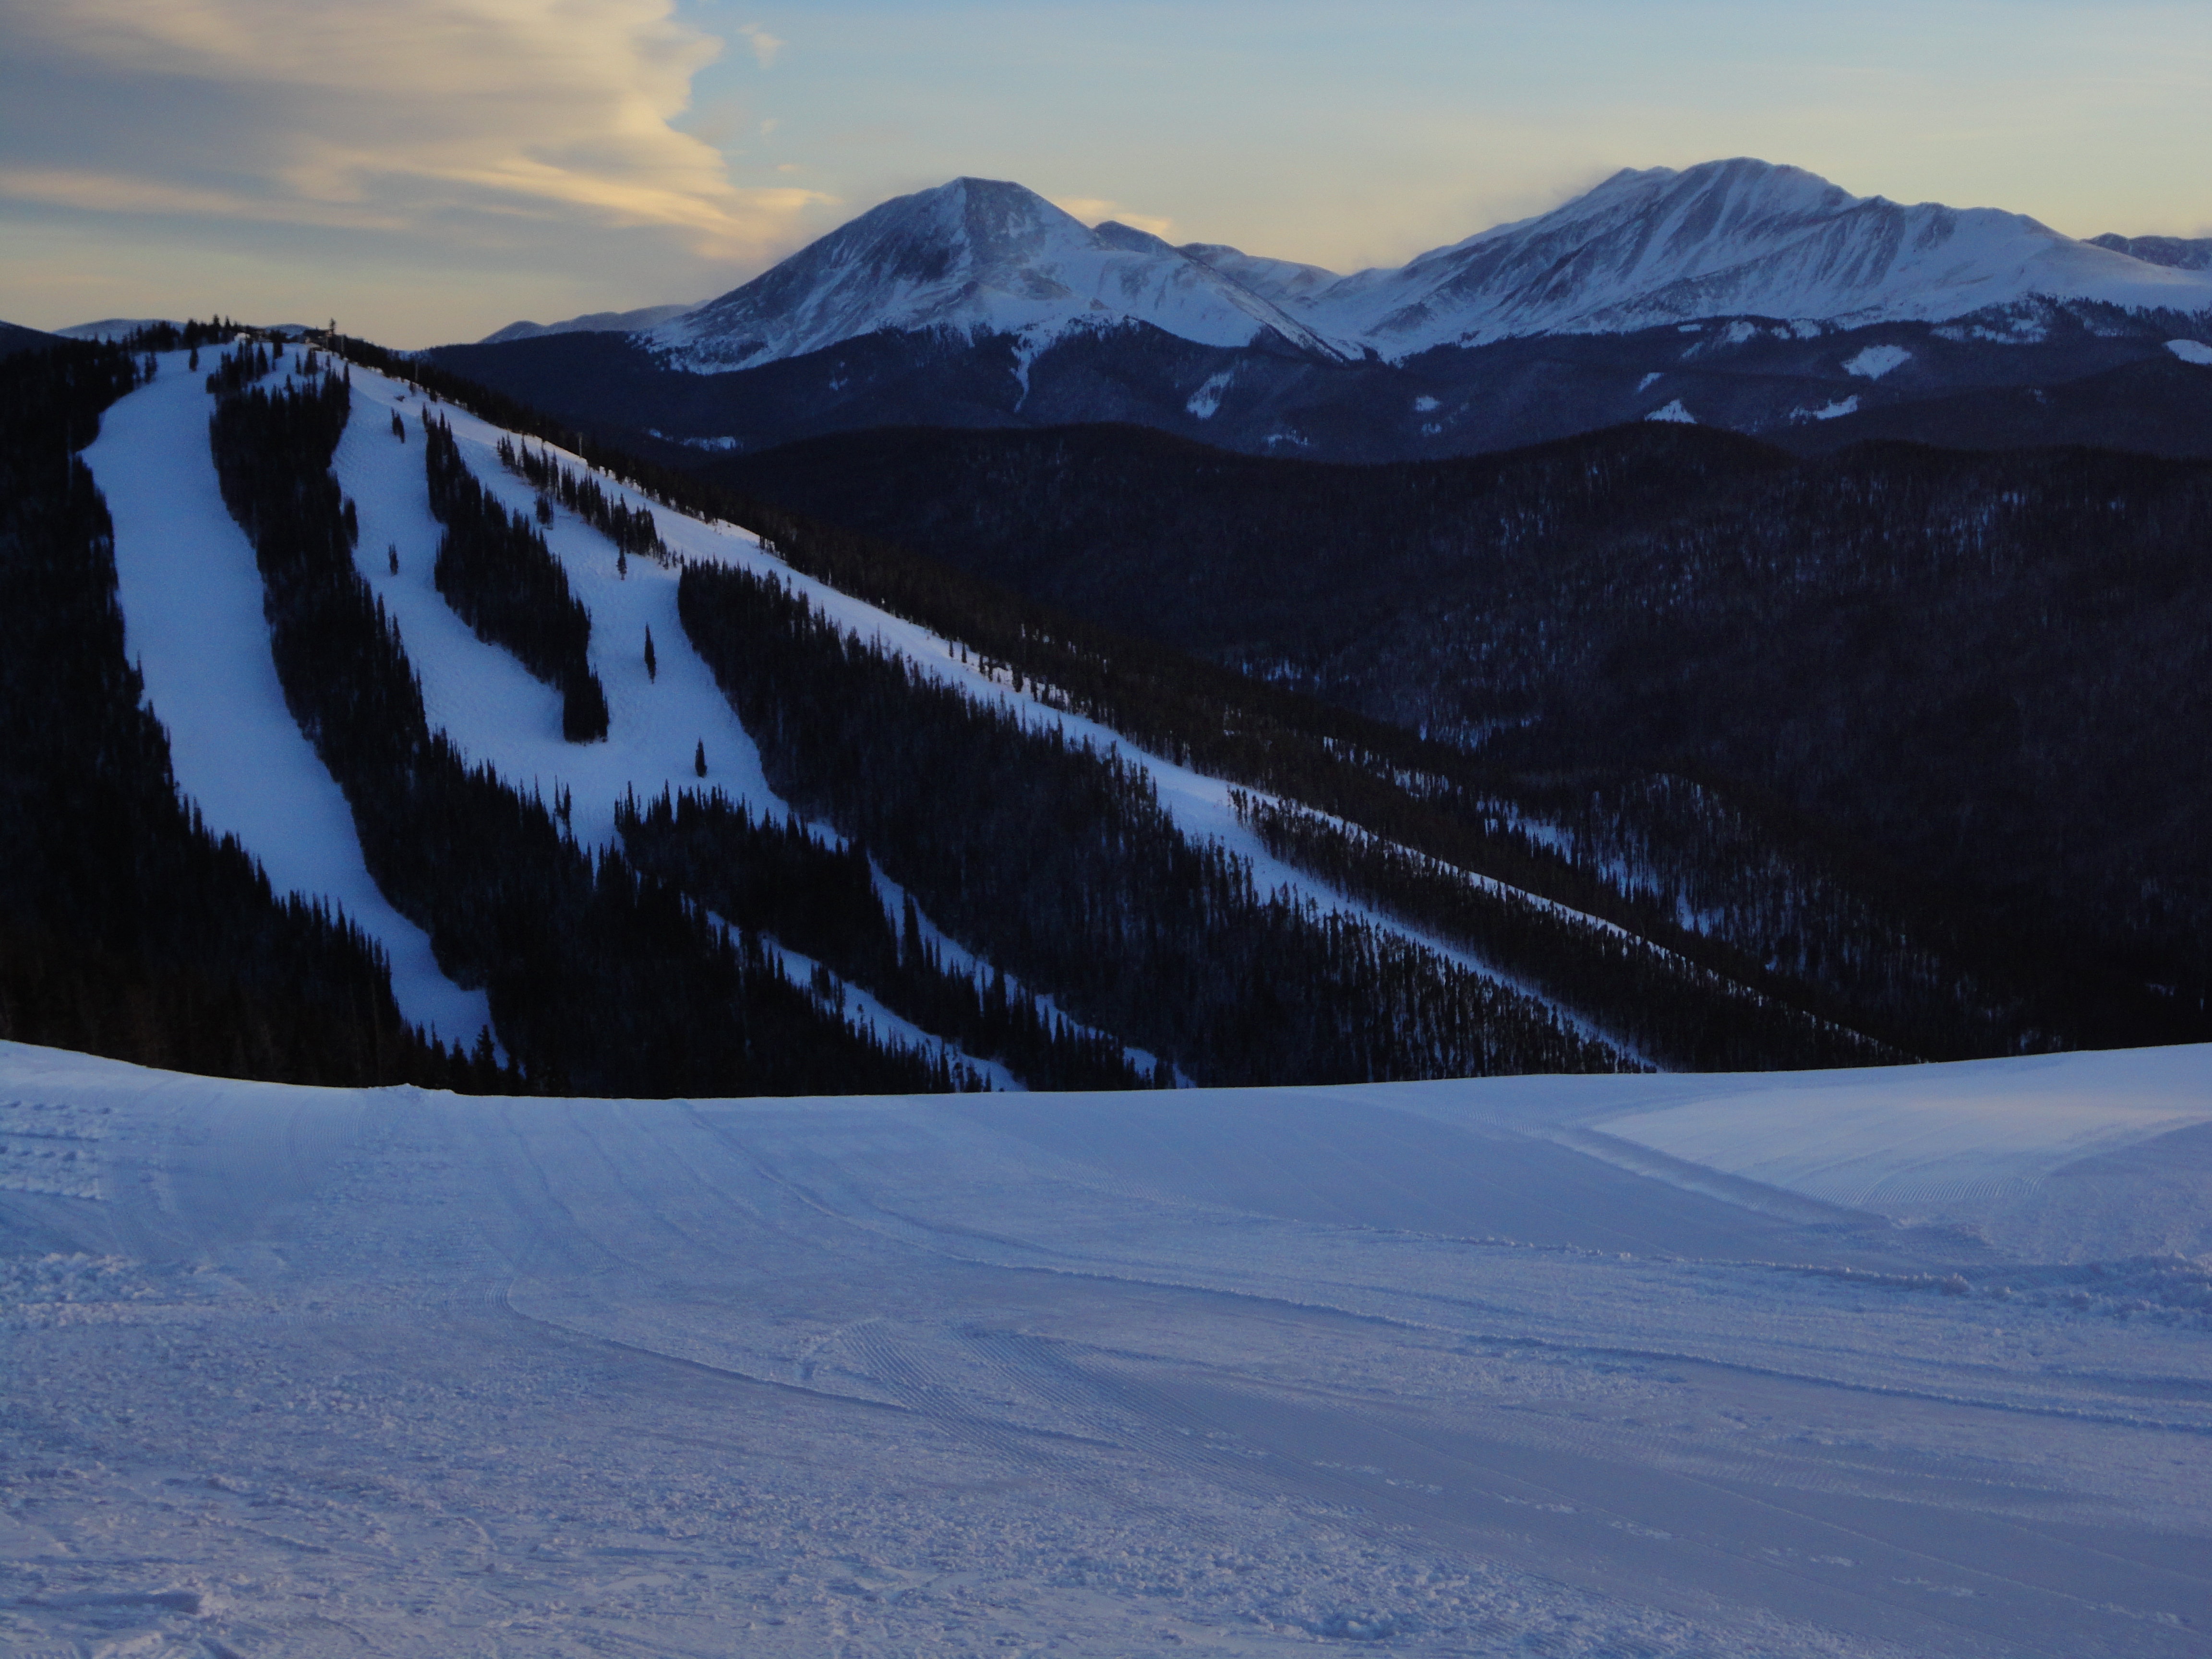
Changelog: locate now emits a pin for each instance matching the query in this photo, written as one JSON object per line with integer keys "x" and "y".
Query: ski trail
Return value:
{"x": 192, "y": 622}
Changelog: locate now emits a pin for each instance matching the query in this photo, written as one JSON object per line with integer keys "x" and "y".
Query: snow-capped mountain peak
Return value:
{"x": 976, "y": 256}
{"x": 1646, "y": 248}
{"x": 1733, "y": 238}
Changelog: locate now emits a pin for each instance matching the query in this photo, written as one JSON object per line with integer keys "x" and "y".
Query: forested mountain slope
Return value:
{"x": 1037, "y": 850}
{"x": 664, "y": 944}
{"x": 127, "y": 926}
{"x": 1981, "y": 677}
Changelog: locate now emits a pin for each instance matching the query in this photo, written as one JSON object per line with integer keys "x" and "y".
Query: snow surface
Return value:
{"x": 2190, "y": 351}
{"x": 482, "y": 697}
{"x": 1674, "y": 409}
{"x": 1238, "y": 1373}
{"x": 1207, "y": 399}
{"x": 1970, "y": 1144}
{"x": 1834, "y": 410}
{"x": 1273, "y": 279}
{"x": 192, "y": 622}
{"x": 1877, "y": 360}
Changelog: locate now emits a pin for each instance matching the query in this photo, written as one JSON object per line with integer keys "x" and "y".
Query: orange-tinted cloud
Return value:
{"x": 393, "y": 114}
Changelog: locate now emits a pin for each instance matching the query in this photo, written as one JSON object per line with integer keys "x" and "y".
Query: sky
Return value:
{"x": 424, "y": 171}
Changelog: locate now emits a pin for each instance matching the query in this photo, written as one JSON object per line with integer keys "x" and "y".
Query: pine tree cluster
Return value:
{"x": 1955, "y": 704}
{"x": 496, "y": 572}
{"x": 602, "y": 980}
{"x": 821, "y": 902}
{"x": 632, "y": 530}
{"x": 1681, "y": 1016}
{"x": 1058, "y": 861}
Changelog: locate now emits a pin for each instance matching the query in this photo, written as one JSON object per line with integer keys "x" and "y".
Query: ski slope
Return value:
{"x": 192, "y": 622}
{"x": 391, "y": 490}
{"x": 192, "y": 601}
{"x": 482, "y": 697}
{"x": 1427, "y": 1367}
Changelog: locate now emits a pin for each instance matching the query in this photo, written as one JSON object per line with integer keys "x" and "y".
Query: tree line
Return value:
{"x": 496, "y": 572}
{"x": 1957, "y": 701}
{"x": 1433, "y": 602}
{"x": 821, "y": 901}
{"x": 631, "y": 529}
{"x": 1058, "y": 862}
{"x": 1679, "y": 1016}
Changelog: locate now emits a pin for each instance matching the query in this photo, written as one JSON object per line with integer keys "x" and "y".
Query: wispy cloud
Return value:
{"x": 398, "y": 114}
{"x": 1094, "y": 209}
{"x": 765, "y": 46}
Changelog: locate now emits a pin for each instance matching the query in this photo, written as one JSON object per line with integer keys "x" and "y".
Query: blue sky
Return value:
{"x": 429, "y": 169}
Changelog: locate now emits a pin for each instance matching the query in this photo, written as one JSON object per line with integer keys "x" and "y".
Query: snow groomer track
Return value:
{"x": 1913, "y": 1362}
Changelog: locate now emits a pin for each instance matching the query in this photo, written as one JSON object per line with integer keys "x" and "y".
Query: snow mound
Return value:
{"x": 2191, "y": 351}
{"x": 1970, "y": 1144}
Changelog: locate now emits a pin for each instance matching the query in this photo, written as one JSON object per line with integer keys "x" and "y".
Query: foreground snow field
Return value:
{"x": 1597, "y": 1367}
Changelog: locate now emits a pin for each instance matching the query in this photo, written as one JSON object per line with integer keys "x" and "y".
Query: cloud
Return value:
{"x": 1094, "y": 209}
{"x": 452, "y": 117}
{"x": 764, "y": 44}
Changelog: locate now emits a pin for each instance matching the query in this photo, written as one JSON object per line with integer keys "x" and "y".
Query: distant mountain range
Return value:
{"x": 597, "y": 322}
{"x": 2182, "y": 254}
{"x": 1736, "y": 238}
{"x": 1737, "y": 294}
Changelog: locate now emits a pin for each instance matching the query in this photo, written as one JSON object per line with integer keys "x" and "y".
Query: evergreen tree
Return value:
{"x": 496, "y": 572}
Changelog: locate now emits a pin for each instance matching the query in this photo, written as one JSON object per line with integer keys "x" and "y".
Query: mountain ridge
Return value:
{"x": 971, "y": 256}
{"x": 1736, "y": 294}
{"x": 1739, "y": 237}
